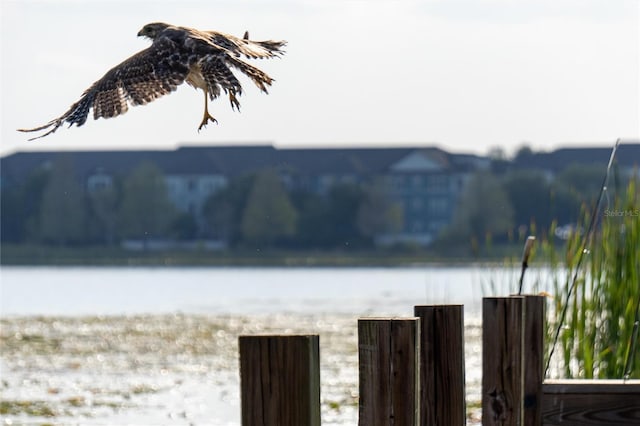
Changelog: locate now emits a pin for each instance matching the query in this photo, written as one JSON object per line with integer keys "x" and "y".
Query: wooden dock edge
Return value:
{"x": 590, "y": 402}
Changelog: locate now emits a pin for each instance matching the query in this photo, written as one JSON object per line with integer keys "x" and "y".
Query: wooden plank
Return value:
{"x": 559, "y": 386}
{"x": 534, "y": 332}
{"x": 590, "y": 402}
{"x": 388, "y": 354}
{"x": 442, "y": 392}
{"x": 502, "y": 360}
{"x": 280, "y": 380}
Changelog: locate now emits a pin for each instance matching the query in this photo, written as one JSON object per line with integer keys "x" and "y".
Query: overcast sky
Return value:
{"x": 465, "y": 75}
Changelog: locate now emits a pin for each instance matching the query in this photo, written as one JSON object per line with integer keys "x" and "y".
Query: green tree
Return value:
{"x": 537, "y": 200}
{"x": 530, "y": 195}
{"x": 269, "y": 214}
{"x": 564, "y": 205}
{"x": 314, "y": 228}
{"x": 483, "y": 210}
{"x": 62, "y": 212}
{"x": 30, "y": 197}
{"x": 331, "y": 220}
{"x": 583, "y": 180}
{"x": 184, "y": 227}
{"x": 223, "y": 210}
{"x": 104, "y": 210}
{"x": 145, "y": 211}
{"x": 523, "y": 153}
{"x": 377, "y": 213}
{"x": 499, "y": 161}
{"x": 497, "y": 153}
{"x": 340, "y": 219}
{"x": 13, "y": 223}
{"x": 344, "y": 203}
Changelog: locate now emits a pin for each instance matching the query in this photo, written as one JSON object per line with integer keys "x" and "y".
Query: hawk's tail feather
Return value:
{"x": 259, "y": 77}
{"x": 274, "y": 47}
{"x": 262, "y": 49}
{"x": 251, "y": 49}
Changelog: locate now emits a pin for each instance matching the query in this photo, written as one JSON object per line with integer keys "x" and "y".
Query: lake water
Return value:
{"x": 365, "y": 291}
{"x": 111, "y": 346}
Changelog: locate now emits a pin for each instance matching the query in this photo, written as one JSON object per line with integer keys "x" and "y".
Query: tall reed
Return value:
{"x": 594, "y": 338}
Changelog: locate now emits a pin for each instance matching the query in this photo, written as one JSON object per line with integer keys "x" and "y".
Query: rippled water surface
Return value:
{"x": 158, "y": 346}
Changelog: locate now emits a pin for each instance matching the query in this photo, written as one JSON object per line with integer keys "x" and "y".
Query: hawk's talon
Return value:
{"x": 206, "y": 120}
{"x": 206, "y": 116}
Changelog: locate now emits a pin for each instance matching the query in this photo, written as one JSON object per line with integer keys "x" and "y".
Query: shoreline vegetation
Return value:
{"x": 43, "y": 255}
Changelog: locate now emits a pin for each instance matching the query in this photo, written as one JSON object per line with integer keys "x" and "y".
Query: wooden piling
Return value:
{"x": 534, "y": 332}
{"x": 280, "y": 380}
{"x": 388, "y": 354}
{"x": 442, "y": 395}
{"x": 502, "y": 360}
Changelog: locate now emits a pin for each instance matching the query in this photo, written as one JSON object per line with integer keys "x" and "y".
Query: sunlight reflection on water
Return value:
{"x": 102, "y": 346}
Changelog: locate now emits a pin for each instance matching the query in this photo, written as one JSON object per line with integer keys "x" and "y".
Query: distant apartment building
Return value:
{"x": 425, "y": 183}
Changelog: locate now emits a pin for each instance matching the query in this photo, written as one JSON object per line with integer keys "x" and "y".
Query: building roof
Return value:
{"x": 627, "y": 155}
{"x": 233, "y": 160}
{"x": 236, "y": 160}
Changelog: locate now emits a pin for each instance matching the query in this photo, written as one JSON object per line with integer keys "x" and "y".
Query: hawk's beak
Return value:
{"x": 140, "y": 33}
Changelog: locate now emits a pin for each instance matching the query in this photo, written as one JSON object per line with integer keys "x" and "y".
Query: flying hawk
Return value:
{"x": 203, "y": 59}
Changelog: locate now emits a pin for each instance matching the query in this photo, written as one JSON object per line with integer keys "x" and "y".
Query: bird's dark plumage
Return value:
{"x": 204, "y": 59}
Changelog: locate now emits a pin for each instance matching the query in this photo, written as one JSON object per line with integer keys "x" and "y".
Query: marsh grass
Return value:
{"x": 596, "y": 292}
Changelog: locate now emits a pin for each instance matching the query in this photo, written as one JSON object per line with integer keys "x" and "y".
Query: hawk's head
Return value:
{"x": 152, "y": 30}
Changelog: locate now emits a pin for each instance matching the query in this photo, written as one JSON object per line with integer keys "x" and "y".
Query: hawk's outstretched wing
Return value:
{"x": 177, "y": 54}
{"x": 140, "y": 79}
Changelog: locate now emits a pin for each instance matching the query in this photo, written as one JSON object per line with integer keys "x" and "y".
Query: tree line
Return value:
{"x": 257, "y": 210}
{"x": 52, "y": 207}
{"x": 504, "y": 205}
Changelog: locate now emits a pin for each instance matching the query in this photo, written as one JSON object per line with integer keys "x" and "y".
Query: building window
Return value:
{"x": 214, "y": 183}
{"x": 438, "y": 183}
{"x": 417, "y": 203}
{"x": 437, "y": 225}
{"x": 99, "y": 182}
{"x": 438, "y": 206}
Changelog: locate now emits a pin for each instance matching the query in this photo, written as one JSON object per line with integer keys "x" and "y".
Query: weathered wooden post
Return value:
{"x": 442, "y": 395}
{"x": 533, "y": 352}
{"x": 389, "y": 353}
{"x": 502, "y": 360}
{"x": 280, "y": 380}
